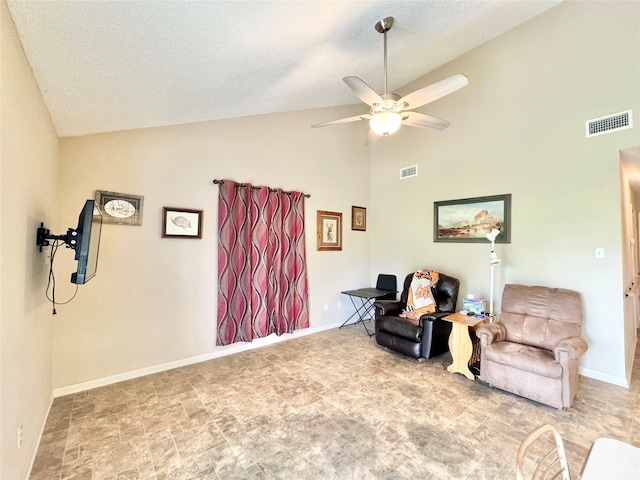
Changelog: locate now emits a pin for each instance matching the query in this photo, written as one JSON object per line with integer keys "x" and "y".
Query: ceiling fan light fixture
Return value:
{"x": 388, "y": 110}
{"x": 385, "y": 123}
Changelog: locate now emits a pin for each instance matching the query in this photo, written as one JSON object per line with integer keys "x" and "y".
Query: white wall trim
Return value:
{"x": 621, "y": 381}
{"x": 220, "y": 352}
{"x": 36, "y": 444}
{"x": 630, "y": 363}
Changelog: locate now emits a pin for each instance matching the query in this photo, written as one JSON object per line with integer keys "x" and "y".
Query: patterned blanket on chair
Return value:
{"x": 420, "y": 299}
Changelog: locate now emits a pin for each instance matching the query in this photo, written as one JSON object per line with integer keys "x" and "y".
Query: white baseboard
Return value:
{"x": 219, "y": 352}
{"x": 621, "y": 381}
{"x": 36, "y": 442}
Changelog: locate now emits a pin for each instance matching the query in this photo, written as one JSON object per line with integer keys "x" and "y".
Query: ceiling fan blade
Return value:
{"x": 367, "y": 94}
{"x": 420, "y": 120}
{"x": 372, "y": 138}
{"x": 364, "y": 116}
{"x": 434, "y": 91}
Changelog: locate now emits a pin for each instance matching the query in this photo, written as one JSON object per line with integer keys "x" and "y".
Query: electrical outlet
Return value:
{"x": 326, "y": 307}
{"x": 19, "y": 435}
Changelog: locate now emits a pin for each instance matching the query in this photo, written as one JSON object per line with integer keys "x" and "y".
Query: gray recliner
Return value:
{"x": 535, "y": 347}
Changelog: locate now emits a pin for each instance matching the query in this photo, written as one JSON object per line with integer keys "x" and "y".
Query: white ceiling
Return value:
{"x": 118, "y": 65}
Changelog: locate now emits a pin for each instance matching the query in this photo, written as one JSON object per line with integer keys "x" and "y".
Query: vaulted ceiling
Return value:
{"x": 119, "y": 65}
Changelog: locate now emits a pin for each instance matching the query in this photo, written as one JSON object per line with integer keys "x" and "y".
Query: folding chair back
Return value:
{"x": 387, "y": 282}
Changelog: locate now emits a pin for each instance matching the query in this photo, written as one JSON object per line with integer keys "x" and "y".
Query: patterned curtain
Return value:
{"x": 262, "y": 275}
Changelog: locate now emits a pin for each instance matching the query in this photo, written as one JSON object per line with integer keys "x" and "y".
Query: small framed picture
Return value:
{"x": 329, "y": 230}
{"x": 358, "y": 218}
{"x": 181, "y": 223}
{"x": 120, "y": 208}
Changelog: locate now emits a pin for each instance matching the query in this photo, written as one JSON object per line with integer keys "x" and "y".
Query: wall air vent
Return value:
{"x": 608, "y": 124}
{"x": 407, "y": 172}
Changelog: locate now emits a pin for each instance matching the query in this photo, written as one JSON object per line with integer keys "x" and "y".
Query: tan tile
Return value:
{"x": 329, "y": 405}
{"x": 164, "y": 455}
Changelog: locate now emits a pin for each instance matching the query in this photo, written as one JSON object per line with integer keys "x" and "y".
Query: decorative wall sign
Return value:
{"x": 181, "y": 223}
{"x": 358, "y": 218}
{"x": 470, "y": 219}
{"x": 329, "y": 230}
{"x": 120, "y": 208}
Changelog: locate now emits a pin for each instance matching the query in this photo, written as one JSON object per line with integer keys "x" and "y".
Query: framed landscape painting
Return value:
{"x": 470, "y": 219}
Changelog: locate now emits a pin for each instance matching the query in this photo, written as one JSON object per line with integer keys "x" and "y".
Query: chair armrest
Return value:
{"x": 388, "y": 308}
{"x": 430, "y": 317}
{"x": 489, "y": 333}
{"x": 573, "y": 347}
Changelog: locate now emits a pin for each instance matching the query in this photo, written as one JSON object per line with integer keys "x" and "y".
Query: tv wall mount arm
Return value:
{"x": 43, "y": 236}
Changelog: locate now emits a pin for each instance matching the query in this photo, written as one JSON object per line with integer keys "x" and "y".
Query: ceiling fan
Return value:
{"x": 388, "y": 111}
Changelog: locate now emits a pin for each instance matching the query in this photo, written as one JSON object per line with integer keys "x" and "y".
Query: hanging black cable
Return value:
{"x": 51, "y": 283}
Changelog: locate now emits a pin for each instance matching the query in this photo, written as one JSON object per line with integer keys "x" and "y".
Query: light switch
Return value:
{"x": 599, "y": 252}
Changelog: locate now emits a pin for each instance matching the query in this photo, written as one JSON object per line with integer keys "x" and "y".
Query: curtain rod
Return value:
{"x": 243, "y": 185}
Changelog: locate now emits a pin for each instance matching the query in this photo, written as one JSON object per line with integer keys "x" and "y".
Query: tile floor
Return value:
{"x": 333, "y": 405}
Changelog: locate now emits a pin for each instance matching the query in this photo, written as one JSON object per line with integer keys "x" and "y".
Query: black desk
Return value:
{"x": 367, "y": 297}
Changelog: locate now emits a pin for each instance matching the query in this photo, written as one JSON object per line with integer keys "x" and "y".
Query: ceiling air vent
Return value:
{"x": 407, "y": 172}
{"x": 610, "y": 123}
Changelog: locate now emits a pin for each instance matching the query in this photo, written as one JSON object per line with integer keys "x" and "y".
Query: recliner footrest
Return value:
{"x": 400, "y": 327}
{"x": 524, "y": 357}
{"x": 399, "y": 344}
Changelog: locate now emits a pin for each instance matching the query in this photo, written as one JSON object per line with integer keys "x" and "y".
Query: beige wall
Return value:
{"x": 154, "y": 300}
{"x": 519, "y": 128}
{"x": 27, "y": 171}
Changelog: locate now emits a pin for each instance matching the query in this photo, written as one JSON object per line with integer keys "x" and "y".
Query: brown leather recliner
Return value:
{"x": 535, "y": 347}
{"x": 430, "y": 337}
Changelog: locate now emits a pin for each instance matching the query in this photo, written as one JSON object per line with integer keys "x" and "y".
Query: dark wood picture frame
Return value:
{"x": 358, "y": 218}
{"x": 468, "y": 220}
{"x": 181, "y": 223}
{"x": 329, "y": 233}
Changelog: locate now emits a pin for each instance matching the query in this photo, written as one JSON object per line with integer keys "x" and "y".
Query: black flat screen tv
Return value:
{"x": 87, "y": 243}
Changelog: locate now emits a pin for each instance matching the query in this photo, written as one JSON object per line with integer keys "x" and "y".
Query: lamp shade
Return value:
{"x": 385, "y": 123}
{"x": 493, "y": 235}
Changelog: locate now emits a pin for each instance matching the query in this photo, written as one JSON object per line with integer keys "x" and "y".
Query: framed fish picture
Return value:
{"x": 181, "y": 223}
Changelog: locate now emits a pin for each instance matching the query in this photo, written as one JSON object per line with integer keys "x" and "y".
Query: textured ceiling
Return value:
{"x": 119, "y": 65}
